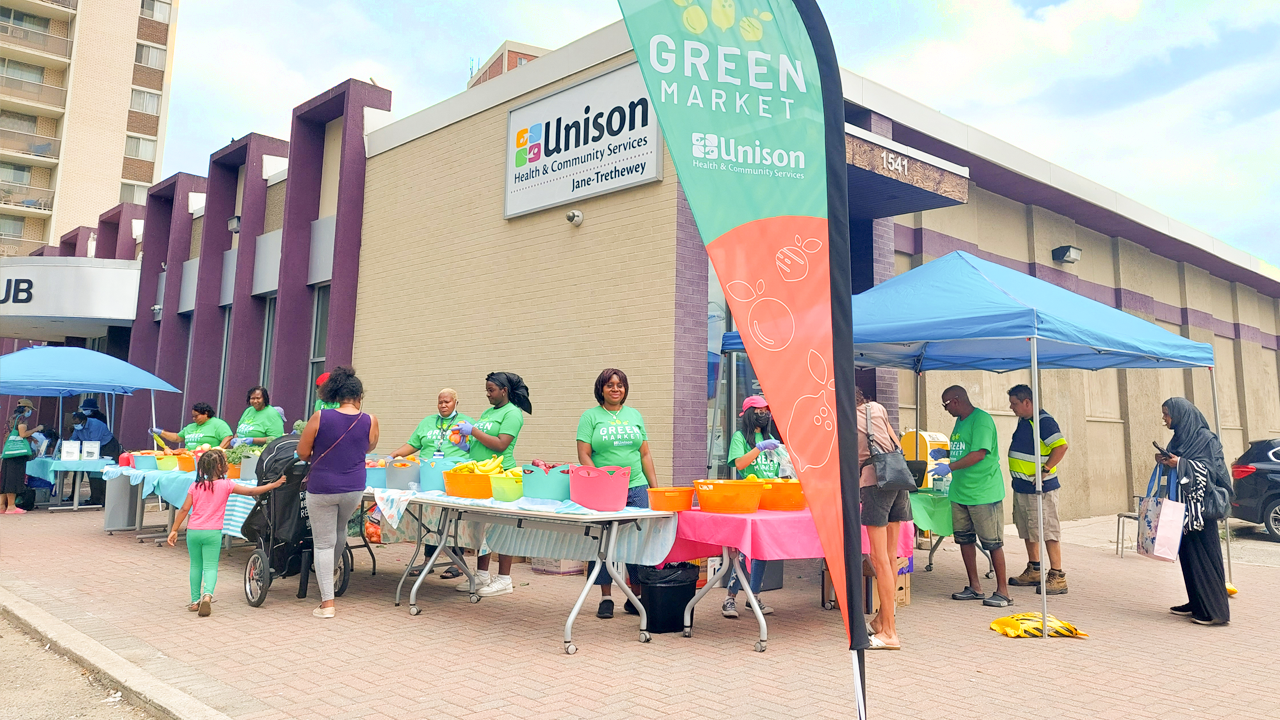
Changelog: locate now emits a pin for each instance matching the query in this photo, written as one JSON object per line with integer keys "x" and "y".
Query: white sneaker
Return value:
{"x": 498, "y": 586}
{"x": 481, "y": 582}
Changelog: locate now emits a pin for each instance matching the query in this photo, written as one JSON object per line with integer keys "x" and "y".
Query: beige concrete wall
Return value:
{"x": 93, "y": 128}
{"x": 451, "y": 291}
{"x": 331, "y": 164}
{"x": 197, "y": 235}
{"x": 275, "y": 207}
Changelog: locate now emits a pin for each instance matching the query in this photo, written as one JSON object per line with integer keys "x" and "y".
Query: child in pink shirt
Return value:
{"x": 207, "y": 505}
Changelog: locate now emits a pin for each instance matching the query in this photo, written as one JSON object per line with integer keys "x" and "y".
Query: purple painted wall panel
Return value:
{"x": 206, "y": 320}
{"x": 248, "y": 313}
{"x": 689, "y": 407}
{"x": 114, "y": 243}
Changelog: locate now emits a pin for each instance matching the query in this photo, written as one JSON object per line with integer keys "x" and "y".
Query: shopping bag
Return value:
{"x": 1160, "y": 520}
{"x": 892, "y": 472}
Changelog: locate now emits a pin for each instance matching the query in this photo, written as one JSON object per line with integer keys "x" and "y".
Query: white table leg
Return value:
{"x": 711, "y": 582}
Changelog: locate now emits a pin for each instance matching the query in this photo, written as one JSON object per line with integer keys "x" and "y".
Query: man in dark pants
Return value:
{"x": 977, "y": 494}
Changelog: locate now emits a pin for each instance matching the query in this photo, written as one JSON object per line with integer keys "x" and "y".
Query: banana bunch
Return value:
{"x": 492, "y": 466}
{"x": 513, "y": 473}
{"x": 467, "y": 467}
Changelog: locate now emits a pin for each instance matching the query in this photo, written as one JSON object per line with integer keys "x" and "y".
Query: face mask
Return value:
{"x": 27, "y": 413}
{"x": 79, "y": 426}
{"x": 763, "y": 417}
{"x": 452, "y": 415}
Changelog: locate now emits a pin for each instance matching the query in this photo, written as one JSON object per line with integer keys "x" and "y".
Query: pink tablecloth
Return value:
{"x": 762, "y": 535}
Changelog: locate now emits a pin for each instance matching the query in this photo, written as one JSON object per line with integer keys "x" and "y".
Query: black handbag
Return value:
{"x": 890, "y": 467}
{"x": 1217, "y": 502}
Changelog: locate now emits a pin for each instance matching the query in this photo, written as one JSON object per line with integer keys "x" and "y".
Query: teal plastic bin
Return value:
{"x": 431, "y": 474}
{"x": 144, "y": 462}
{"x": 540, "y": 484}
{"x": 375, "y": 478}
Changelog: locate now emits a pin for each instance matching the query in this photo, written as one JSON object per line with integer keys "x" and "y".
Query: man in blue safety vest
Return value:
{"x": 1023, "y": 458}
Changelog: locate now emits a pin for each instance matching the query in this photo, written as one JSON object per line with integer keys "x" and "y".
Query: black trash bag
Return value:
{"x": 670, "y": 575}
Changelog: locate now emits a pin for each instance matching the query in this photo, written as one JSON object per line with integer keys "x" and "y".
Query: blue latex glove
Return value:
{"x": 240, "y": 441}
{"x": 465, "y": 428}
{"x": 155, "y": 431}
{"x": 940, "y": 470}
{"x": 939, "y": 453}
{"x": 768, "y": 445}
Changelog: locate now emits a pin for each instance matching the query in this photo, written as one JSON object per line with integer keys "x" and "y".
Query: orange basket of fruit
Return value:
{"x": 782, "y": 495}
{"x": 468, "y": 485}
{"x": 186, "y": 463}
{"x": 729, "y": 496}
{"x": 671, "y": 499}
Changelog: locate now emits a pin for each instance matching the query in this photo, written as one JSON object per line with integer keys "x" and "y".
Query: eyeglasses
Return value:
{"x": 947, "y": 403}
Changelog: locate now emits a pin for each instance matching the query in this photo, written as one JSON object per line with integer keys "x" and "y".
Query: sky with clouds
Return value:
{"x": 1174, "y": 103}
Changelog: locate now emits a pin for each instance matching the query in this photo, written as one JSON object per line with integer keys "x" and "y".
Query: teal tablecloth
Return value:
{"x": 932, "y": 511}
{"x": 45, "y": 468}
{"x": 172, "y": 487}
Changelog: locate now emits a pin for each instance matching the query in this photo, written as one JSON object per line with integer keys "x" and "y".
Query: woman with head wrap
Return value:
{"x": 495, "y": 433}
{"x": 1196, "y": 454}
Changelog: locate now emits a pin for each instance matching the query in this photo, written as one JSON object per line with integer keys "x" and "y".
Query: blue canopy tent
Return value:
{"x": 963, "y": 313}
{"x": 65, "y": 371}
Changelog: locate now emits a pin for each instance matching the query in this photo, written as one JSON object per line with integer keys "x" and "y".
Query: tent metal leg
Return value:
{"x": 1217, "y": 429}
{"x": 1035, "y": 443}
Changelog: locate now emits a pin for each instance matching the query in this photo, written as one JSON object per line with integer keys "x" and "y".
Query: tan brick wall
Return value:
{"x": 55, "y": 77}
{"x": 147, "y": 77}
{"x": 33, "y": 231}
{"x": 556, "y": 304}
{"x": 197, "y": 234}
{"x": 143, "y": 124}
{"x": 138, "y": 170}
{"x": 47, "y": 126}
{"x": 153, "y": 31}
{"x": 59, "y": 28}
{"x": 275, "y": 207}
{"x": 41, "y": 177}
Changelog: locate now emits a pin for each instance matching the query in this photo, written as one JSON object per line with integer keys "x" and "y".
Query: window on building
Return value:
{"x": 12, "y": 227}
{"x": 10, "y": 16}
{"x": 10, "y": 120}
{"x": 152, "y": 57}
{"x": 16, "y": 174}
{"x": 21, "y": 70}
{"x": 145, "y": 102}
{"x": 520, "y": 61}
{"x": 140, "y": 148}
{"x": 156, "y": 10}
{"x": 130, "y": 193}
{"x": 222, "y": 368}
{"x": 319, "y": 339}
{"x": 268, "y": 339}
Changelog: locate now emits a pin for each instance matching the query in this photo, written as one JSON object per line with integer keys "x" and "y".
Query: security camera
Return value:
{"x": 574, "y": 217}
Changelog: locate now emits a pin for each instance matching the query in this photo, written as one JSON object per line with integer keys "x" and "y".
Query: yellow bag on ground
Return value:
{"x": 1028, "y": 625}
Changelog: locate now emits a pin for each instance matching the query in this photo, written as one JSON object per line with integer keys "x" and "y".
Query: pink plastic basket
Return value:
{"x": 601, "y": 489}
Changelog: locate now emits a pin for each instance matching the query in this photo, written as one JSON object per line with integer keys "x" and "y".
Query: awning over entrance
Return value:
{"x": 52, "y": 298}
{"x": 888, "y": 178}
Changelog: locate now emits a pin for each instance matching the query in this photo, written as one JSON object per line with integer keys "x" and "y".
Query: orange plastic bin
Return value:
{"x": 468, "y": 485}
{"x": 783, "y": 496}
{"x": 729, "y": 497}
{"x": 671, "y": 499}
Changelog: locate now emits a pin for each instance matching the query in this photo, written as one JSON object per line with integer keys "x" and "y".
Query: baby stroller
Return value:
{"x": 279, "y": 526}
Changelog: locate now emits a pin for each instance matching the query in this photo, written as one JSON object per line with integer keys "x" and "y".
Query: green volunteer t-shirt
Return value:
{"x": 432, "y": 434}
{"x": 322, "y": 405}
{"x": 982, "y": 483}
{"x": 260, "y": 423}
{"x": 615, "y": 439}
{"x": 211, "y": 431}
{"x": 765, "y": 466}
{"x": 506, "y": 420}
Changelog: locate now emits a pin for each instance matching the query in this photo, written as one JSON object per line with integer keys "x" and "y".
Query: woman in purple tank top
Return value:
{"x": 335, "y": 442}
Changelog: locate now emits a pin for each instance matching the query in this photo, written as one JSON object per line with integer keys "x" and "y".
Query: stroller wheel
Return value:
{"x": 257, "y": 578}
{"x": 342, "y": 573}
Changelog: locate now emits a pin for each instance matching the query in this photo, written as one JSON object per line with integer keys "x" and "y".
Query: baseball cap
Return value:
{"x": 755, "y": 401}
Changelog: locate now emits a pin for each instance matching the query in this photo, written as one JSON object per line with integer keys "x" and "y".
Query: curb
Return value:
{"x": 140, "y": 688}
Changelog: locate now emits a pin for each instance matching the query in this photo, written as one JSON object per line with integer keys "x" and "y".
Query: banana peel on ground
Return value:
{"x": 1025, "y": 625}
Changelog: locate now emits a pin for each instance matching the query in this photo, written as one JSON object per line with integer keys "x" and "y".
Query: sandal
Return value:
{"x": 193, "y": 606}
{"x": 968, "y": 593}
{"x": 452, "y": 573}
{"x": 998, "y": 601}
{"x": 878, "y": 644}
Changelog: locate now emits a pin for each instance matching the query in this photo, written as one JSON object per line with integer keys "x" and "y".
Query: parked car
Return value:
{"x": 1257, "y": 485}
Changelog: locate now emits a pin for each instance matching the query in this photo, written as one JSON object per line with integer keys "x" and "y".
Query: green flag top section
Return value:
{"x": 737, "y": 93}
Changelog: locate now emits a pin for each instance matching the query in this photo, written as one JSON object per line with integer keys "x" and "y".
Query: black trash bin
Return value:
{"x": 665, "y": 592}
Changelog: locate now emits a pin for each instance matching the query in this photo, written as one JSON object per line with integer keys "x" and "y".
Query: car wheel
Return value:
{"x": 1271, "y": 519}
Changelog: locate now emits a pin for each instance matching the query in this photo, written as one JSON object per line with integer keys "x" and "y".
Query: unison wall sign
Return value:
{"x": 593, "y": 138}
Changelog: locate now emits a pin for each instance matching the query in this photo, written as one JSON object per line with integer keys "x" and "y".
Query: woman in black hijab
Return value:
{"x": 1196, "y": 453}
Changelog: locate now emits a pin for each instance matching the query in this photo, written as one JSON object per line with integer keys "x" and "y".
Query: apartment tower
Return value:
{"x": 84, "y": 92}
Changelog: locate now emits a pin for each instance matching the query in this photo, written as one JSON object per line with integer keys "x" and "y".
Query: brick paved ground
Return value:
{"x": 503, "y": 656}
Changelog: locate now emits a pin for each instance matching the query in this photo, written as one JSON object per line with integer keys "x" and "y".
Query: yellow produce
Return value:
{"x": 751, "y": 29}
{"x": 467, "y": 467}
{"x": 695, "y": 19}
{"x": 723, "y": 13}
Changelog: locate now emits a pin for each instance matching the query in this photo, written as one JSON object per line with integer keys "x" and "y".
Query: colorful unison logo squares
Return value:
{"x": 529, "y": 145}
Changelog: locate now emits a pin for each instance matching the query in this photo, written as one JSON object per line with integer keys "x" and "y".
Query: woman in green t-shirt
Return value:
{"x": 495, "y": 433}
{"x": 613, "y": 435}
{"x": 260, "y": 423}
{"x": 432, "y": 434}
{"x": 759, "y": 457}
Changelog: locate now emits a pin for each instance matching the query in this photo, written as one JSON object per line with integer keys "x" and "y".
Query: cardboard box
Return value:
{"x": 548, "y": 566}
{"x": 870, "y": 601}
